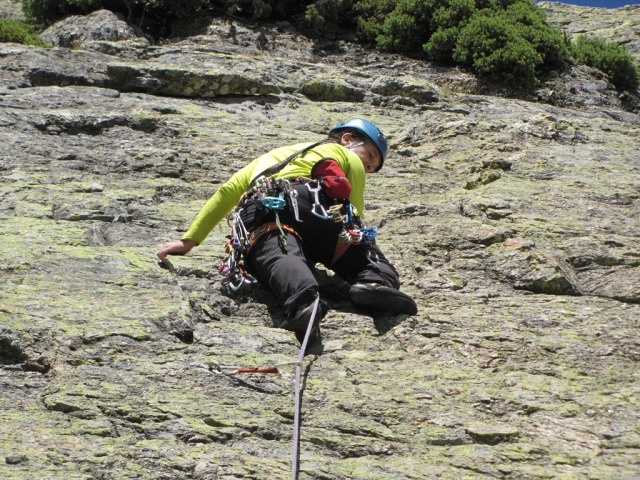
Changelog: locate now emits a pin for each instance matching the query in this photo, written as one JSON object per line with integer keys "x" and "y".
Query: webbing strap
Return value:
{"x": 265, "y": 228}
{"x": 340, "y": 250}
{"x": 272, "y": 170}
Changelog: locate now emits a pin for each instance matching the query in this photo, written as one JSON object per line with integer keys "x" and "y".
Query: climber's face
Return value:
{"x": 366, "y": 150}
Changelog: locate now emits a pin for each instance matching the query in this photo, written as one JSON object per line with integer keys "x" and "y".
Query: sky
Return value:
{"x": 600, "y": 3}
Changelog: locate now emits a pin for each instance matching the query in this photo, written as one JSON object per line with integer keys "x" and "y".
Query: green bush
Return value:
{"x": 46, "y": 12}
{"x": 515, "y": 45}
{"x": 13, "y": 31}
{"x": 507, "y": 40}
{"x": 532, "y": 26}
{"x": 494, "y": 48}
{"x": 325, "y": 17}
{"x": 611, "y": 58}
{"x": 157, "y": 16}
{"x": 409, "y": 24}
{"x": 406, "y": 28}
{"x": 370, "y": 16}
{"x": 446, "y": 22}
{"x": 262, "y": 9}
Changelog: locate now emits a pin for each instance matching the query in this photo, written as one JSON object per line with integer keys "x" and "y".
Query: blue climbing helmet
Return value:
{"x": 371, "y": 131}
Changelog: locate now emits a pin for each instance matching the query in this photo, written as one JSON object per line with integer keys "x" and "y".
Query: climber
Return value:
{"x": 297, "y": 206}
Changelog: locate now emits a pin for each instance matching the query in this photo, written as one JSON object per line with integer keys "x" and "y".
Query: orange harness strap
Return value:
{"x": 257, "y": 233}
{"x": 341, "y": 247}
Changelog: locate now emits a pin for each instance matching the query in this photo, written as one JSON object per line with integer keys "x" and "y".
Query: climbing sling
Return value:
{"x": 272, "y": 170}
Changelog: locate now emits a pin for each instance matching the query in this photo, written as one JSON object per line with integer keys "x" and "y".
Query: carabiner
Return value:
{"x": 317, "y": 209}
{"x": 234, "y": 286}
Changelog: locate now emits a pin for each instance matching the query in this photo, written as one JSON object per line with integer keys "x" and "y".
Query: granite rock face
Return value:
{"x": 11, "y": 9}
{"x": 513, "y": 223}
{"x": 78, "y": 30}
{"x": 619, "y": 25}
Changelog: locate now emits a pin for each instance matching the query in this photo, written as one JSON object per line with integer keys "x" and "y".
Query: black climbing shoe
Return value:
{"x": 384, "y": 299}
{"x": 299, "y": 322}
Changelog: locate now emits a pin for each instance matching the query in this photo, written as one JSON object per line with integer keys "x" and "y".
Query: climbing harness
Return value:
{"x": 221, "y": 369}
{"x": 274, "y": 194}
{"x": 265, "y": 193}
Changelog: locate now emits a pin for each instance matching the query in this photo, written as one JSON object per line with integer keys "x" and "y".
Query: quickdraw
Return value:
{"x": 353, "y": 232}
{"x": 216, "y": 367}
{"x": 219, "y": 369}
{"x": 232, "y": 269}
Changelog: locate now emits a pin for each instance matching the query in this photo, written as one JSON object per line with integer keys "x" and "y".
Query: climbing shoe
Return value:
{"x": 384, "y": 299}
{"x": 299, "y": 322}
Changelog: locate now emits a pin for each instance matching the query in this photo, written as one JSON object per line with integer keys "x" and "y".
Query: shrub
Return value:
{"x": 508, "y": 40}
{"x": 157, "y": 16}
{"x": 13, "y": 31}
{"x": 447, "y": 21}
{"x": 370, "y": 17}
{"x": 262, "y": 9}
{"x": 515, "y": 44}
{"x": 533, "y": 27}
{"x": 494, "y": 48}
{"x": 46, "y": 12}
{"x": 406, "y": 28}
{"x": 611, "y": 58}
{"x": 325, "y": 17}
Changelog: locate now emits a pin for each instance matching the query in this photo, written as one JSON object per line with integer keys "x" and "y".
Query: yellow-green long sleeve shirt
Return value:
{"x": 228, "y": 195}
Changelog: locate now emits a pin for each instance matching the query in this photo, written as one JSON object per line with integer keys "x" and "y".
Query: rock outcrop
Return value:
{"x": 513, "y": 223}
{"x": 619, "y": 25}
{"x": 11, "y": 9}
{"x": 81, "y": 31}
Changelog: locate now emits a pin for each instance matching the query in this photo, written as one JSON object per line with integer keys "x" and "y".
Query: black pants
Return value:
{"x": 287, "y": 269}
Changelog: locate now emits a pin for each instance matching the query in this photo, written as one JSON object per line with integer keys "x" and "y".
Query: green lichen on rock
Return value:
{"x": 520, "y": 363}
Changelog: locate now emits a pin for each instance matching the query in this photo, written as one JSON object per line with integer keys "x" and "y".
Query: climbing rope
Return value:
{"x": 298, "y": 398}
{"x": 298, "y": 387}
